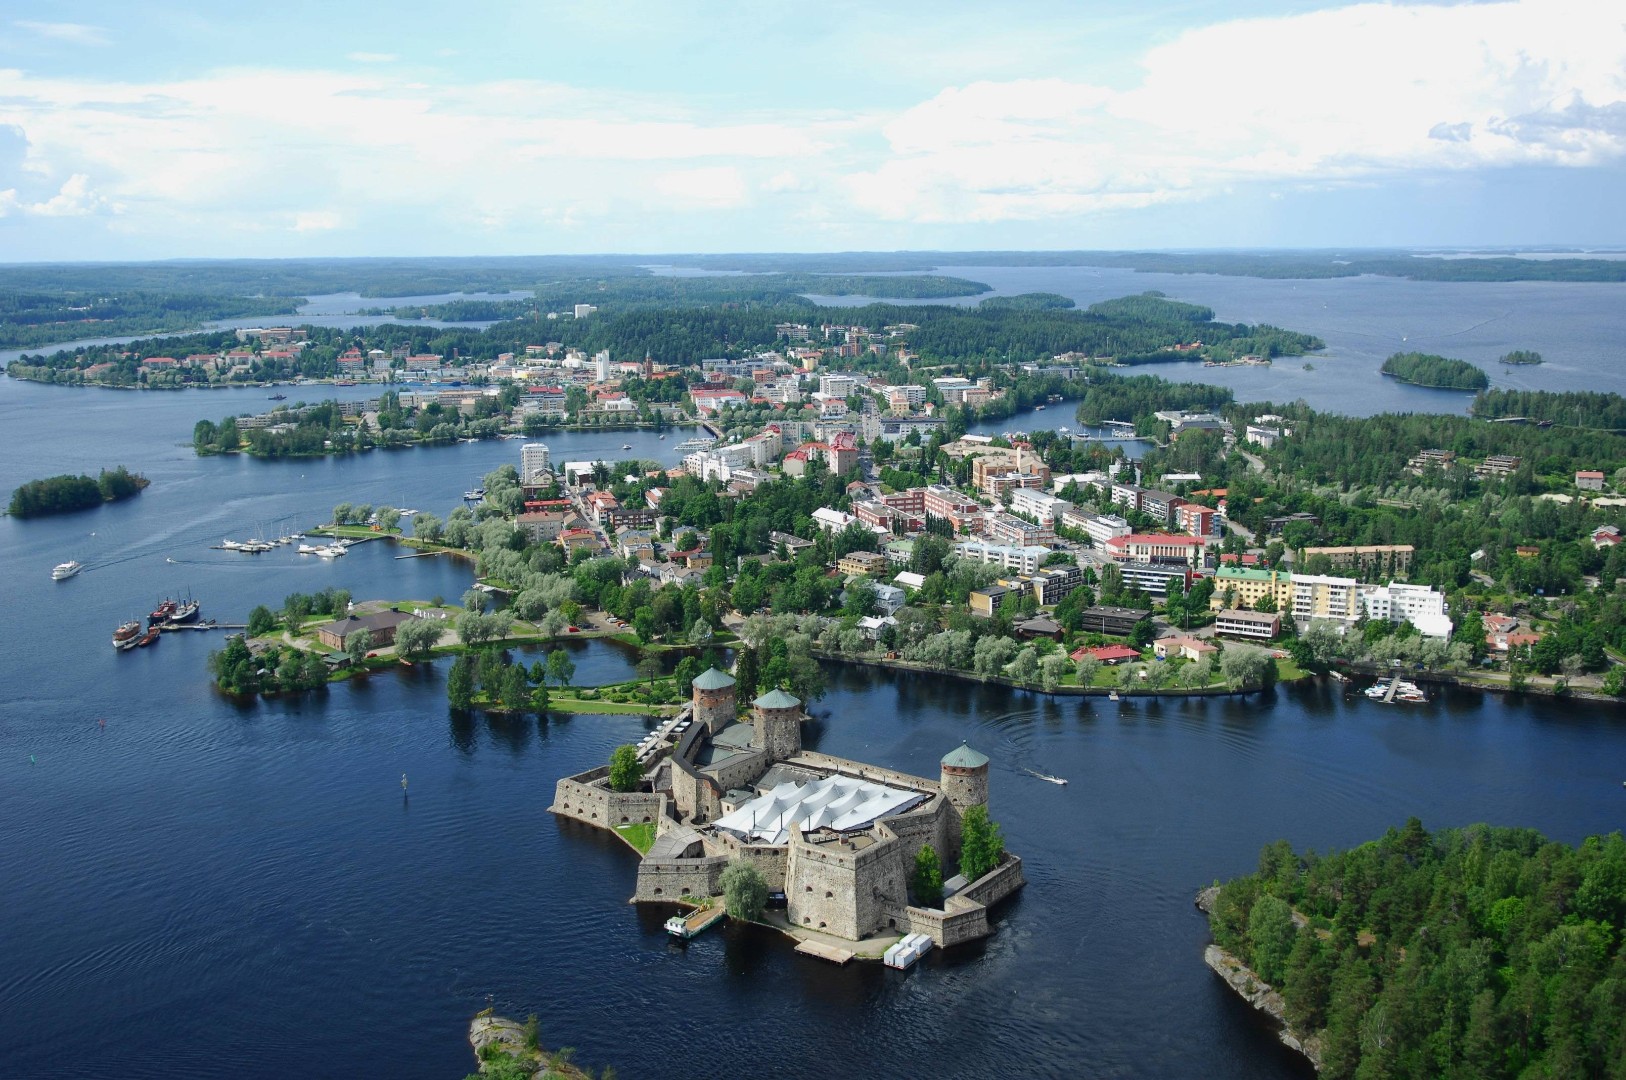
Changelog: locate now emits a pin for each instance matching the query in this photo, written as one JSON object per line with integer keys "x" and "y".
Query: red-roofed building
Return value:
{"x": 1107, "y": 654}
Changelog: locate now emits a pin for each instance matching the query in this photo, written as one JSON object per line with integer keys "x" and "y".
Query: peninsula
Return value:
{"x": 1419, "y": 954}
{"x": 840, "y": 839}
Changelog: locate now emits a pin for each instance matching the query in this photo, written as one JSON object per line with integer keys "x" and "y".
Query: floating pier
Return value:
{"x": 695, "y": 922}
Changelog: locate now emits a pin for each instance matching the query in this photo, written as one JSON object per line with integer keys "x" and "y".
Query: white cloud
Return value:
{"x": 75, "y": 198}
{"x": 1341, "y": 94}
{"x": 1348, "y": 95}
{"x": 316, "y": 221}
{"x": 716, "y": 187}
{"x": 72, "y": 33}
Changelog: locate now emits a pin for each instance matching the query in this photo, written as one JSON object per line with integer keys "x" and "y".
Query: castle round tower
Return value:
{"x": 714, "y": 704}
{"x": 778, "y": 723}
{"x": 965, "y": 778}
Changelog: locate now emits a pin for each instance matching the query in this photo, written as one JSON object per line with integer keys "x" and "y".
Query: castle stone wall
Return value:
{"x": 846, "y": 891}
{"x": 695, "y": 795}
{"x": 825, "y": 763}
{"x": 679, "y": 879}
{"x": 741, "y": 771}
{"x": 957, "y": 922}
{"x": 587, "y": 797}
{"x": 997, "y": 883}
{"x": 769, "y": 860}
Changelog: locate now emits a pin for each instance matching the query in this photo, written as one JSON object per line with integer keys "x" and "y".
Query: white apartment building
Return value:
{"x": 584, "y": 310}
{"x": 1318, "y": 596}
{"x": 837, "y": 386}
{"x": 1417, "y": 604}
{"x": 1038, "y": 504}
{"x": 1099, "y": 527}
{"x": 1022, "y": 559}
{"x": 533, "y": 462}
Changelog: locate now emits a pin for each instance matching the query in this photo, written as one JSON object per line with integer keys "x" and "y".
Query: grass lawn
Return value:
{"x": 640, "y": 836}
{"x": 1287, "y": 671}
{"x": 556, "y": 703}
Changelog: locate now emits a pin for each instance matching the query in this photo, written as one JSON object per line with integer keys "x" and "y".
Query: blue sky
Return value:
{"x": 203, "y": 129}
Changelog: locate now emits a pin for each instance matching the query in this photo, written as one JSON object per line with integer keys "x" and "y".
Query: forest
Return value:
{"x": 1440, "y": 372}
{"x": 1479, "y": 952}
{"x": 29, "y": 319}
{"x": 1138, "y": 330}
{"x": 66, "y": 493}
{"x": 1579, "y": 408}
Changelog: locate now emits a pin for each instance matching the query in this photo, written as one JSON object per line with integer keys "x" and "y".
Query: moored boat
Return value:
{"x": 64, "y": 571}
{"x": 126, "y": 636}
{"x": 185, "y": 611}
{"x": 148, "y": 638}
{"x": 164, "y": 612}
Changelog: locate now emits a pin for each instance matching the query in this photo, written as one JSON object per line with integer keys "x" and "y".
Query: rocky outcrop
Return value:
{"x": 506, "y": 1036}
{"x": 1263, "y": 997}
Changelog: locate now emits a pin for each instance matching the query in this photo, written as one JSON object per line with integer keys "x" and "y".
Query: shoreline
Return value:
{"x": 1444, "y": 678}
{"x": 1254, "y": 991}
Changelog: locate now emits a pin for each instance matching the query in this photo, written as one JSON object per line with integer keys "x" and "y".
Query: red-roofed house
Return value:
{"x": 1589, "y": 480}
{"x": 1107, "y": 654}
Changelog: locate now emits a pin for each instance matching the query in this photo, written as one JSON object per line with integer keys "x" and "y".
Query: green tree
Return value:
{"x": 981, "y": 845}
{"x": 460, "y": 682}
{"x": 416, "y": 637}
{"x": 744, "y": 891}
{"x": 356, "y": 646}
{"x": 342, "y": 512}
{"x": 625, "y": 772}
{"x": 561, "y": 668}
{"x": 514, "y": 688}
{"x": 927, "y": 883}
{"x": 1270, "y": 934}
{"x": 649, "y": 668}
{"x": 261, "y": 621}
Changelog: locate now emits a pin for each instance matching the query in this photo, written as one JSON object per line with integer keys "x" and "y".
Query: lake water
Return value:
{"x": 338, "y": 310}
{"x": 208, "y": 888}
{"x": 1577, "y": 327}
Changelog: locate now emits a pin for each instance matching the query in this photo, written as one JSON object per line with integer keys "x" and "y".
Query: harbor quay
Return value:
{"x": 837, "y": 837}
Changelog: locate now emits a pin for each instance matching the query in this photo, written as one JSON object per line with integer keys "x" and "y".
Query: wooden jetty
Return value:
{"x": 819, "y": 949}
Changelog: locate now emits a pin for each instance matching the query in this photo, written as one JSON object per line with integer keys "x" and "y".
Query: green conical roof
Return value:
{"x": 965, "y": 758}
{"x": 712, "y": 679}
{"x": 777, "y": 699}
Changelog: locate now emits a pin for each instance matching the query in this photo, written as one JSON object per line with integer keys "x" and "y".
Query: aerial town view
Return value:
{"x": 1085, "y": 543}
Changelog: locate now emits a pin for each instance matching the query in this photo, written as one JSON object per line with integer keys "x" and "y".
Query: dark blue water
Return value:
{"x": 218, "y": 889}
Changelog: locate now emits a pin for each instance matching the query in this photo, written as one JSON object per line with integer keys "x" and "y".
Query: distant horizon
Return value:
{"x": 1577, "y": 251}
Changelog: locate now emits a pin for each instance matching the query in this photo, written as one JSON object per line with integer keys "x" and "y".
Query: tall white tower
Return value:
{"x": 533, "y": 462}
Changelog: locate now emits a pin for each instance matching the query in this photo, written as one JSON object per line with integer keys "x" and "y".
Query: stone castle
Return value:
{"x": 838, "y": 837}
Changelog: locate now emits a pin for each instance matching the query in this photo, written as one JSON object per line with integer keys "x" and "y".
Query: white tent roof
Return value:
{"x": 836, "y": 802}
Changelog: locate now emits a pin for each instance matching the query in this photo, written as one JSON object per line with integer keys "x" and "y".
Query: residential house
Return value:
{"x": 1190, "y": 648}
